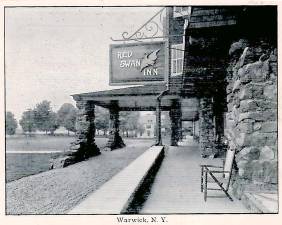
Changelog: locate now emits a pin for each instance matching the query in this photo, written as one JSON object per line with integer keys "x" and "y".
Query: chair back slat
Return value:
{"x": 229, "y": 161}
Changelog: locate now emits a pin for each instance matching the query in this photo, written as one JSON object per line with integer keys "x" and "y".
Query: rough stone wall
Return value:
{"x": 252, "y": 115}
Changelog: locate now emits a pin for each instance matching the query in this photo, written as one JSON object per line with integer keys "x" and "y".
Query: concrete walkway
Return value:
{"x": 176, "y": 188}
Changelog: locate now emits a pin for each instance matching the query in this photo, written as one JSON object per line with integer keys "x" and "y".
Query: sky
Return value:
{"x": 54, "y": 52}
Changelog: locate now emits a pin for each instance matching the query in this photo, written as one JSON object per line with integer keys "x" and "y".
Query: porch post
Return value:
{"x": 193, "y": 128}
{"x": 158, "y": 123}
{"x": 207, "y": 128}
{"x": 85, "y": 145}
{"x": 115, "y": 141}
{"x": 176, "y": 122}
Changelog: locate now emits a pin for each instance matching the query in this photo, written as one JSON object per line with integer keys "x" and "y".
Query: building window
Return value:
{"x": 177, "y": 59}
{"x": 148, "y": 126}
{"x": 180, "y": 11}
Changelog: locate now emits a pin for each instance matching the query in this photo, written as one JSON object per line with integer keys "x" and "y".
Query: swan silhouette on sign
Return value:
{"x": 149, "y": 59}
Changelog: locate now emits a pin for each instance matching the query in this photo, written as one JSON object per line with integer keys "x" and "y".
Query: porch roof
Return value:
{"x": 137, "y": 98}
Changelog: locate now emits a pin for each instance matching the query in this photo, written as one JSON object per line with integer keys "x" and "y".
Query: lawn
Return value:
{"x": 19, "y": 165}
{"x": 43, "y": 143}
{"x": 57, "y": 191}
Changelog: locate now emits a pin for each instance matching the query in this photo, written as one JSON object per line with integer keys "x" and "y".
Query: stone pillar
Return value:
{"x": 196, "y": 130}
{"x": 85, "y": 131}
{"x": 176, "y": 122}
{"x": 207, "y": 128}
{"x": 84, "y": 146}
{"x": 115, "y": 141}
{"x": 193, "y": 129}
{"x": 158, "y": 123}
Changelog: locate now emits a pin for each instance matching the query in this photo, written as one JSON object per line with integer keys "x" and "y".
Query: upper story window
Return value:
{"x": 179, "y": 11}
{"x": 177, "y": 59}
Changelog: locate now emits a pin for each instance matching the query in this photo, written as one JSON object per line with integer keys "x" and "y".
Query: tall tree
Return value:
{"x": 45, "y": 118}
{"x": 27, "y": 121}
{"x": 11, "y": 123}
{"x": 67, "y": 116}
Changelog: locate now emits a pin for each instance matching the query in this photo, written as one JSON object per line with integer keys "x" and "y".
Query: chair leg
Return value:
{"x": 206, "y": 186}
{"x": 228, "y": 196}
{"x": 202, "y": 179}
{"x": 220, "y": 185}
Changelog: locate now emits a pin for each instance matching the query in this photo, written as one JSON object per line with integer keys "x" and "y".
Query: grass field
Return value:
{"x": 57, "y": 191}
{"x": 19, "y": 165}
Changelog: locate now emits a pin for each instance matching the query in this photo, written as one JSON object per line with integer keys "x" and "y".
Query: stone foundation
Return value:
{"x": 252, "y": 116}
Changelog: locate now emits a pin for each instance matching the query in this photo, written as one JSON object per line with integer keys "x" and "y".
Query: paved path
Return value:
{"x": 176, "y": 188}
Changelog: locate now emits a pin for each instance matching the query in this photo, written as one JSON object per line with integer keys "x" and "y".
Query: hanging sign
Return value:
{"x": 138, "y": 63}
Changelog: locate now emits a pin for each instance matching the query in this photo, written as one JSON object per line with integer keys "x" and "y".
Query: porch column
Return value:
{"x": 193, "y": 129}
{"x": 85, "y": 145}
{"x": 207, "y": 128}
{"x": 115, "y": 141}
{"x": 176, "y": 122}
{"x": 158, "y": 123}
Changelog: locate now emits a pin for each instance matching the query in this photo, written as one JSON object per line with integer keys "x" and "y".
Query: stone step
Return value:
{"x": 261, "y": 202}
{"x": 115, "y": 196}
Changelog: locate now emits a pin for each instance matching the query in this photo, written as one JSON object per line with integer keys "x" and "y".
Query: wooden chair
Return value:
{"x": 220, "y": 175}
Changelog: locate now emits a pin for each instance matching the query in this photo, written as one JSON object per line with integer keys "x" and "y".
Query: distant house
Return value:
{"x": 148, "y": 121}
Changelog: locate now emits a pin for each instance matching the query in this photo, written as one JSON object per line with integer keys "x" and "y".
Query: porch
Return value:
{"x": 176, "y": 188}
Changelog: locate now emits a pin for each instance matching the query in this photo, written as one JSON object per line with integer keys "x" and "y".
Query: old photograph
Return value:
{"x": 114, "y": 110}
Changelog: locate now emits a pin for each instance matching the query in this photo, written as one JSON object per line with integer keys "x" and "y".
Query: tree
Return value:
{"x": 123, "y": 117}
{"x": 70, "y": 120}
{"x": 129, "y": 122}
{"x": 66, "y": 116}
{"x": 45, "y": 119}
{"x": 27, "y": 121}
{"x": 52, "y": 124}
{"x": 102, "y": 118}
{"x": 141, "y": 129}
{"x": 11, "y": 123}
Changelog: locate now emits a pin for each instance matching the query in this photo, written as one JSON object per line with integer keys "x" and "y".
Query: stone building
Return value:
{"x": 225, "y": 79}
{"x": 231, "y": 62}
